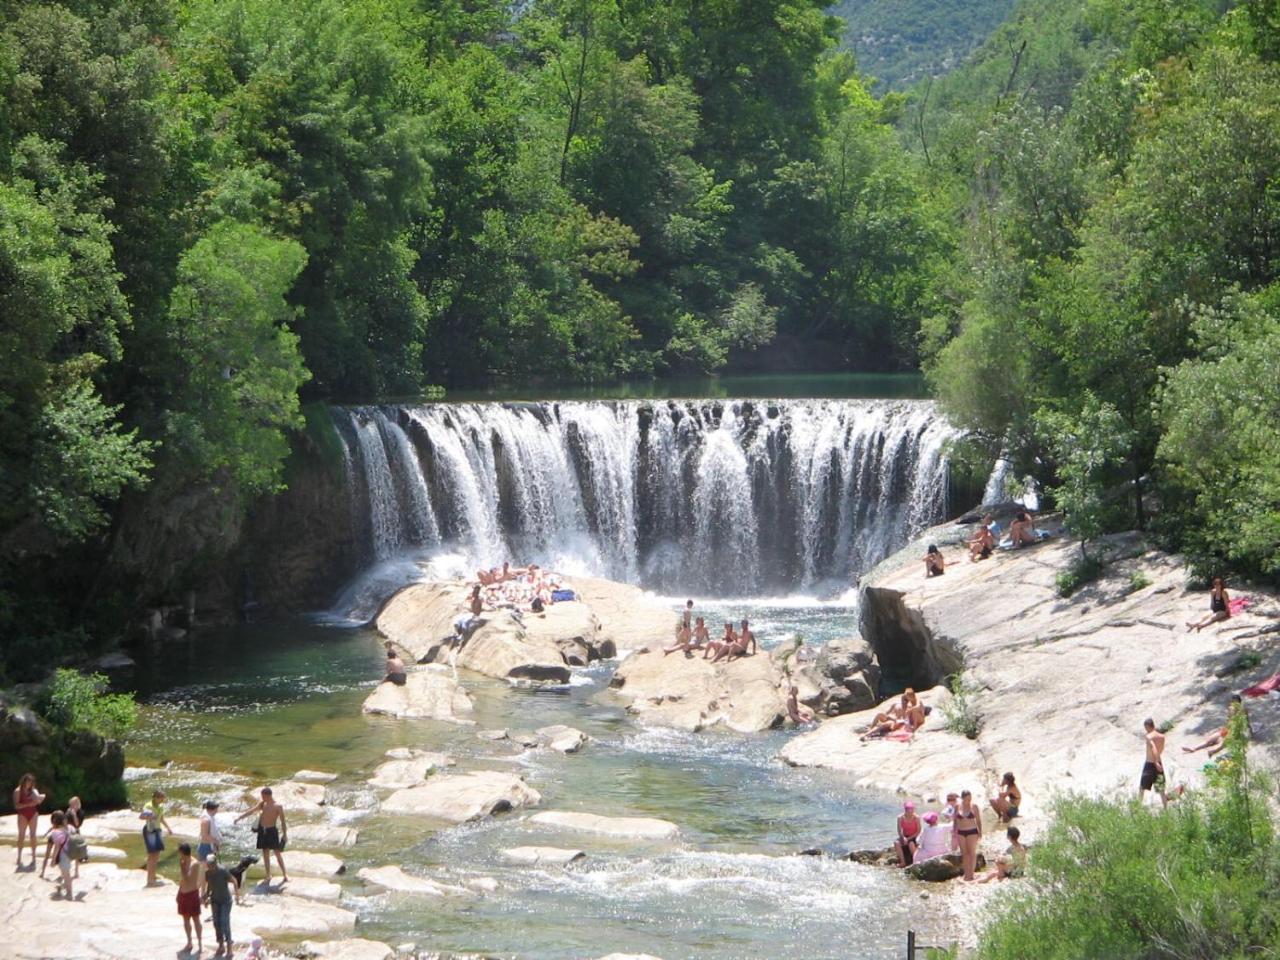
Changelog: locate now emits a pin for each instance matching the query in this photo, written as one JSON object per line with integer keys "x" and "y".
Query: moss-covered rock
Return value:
{"x": 66, "y": 763}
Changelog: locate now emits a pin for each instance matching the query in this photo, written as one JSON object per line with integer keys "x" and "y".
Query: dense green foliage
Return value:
{"x": 1112, "y": 314}
{"x": 899, "y": 42}
{"x": 214, "y": 211}
{"x": 78, "y": 701}
{"x": 1113, "y": 879}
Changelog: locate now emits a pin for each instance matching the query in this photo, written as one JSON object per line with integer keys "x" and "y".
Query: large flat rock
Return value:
{"x": 116, "y": 917}
{"x": 430, "y": 692}
{"x": 398, "y": 774}
{"x": 635, "y": 828}
{"x": 463, "y": 797}
{"x": 1062, "y": 685}
{"x": 543, "y": 856}
{"x": 323, "y": 835}
{"x": 307, "y": 864}
{"x": 395, "y": 880}
{"x": 747, "y": 694}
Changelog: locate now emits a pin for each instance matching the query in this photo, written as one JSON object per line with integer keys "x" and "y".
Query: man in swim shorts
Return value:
{"x": 1153, "y": 768}
{"x": 273, "y": 832}
{"x": 189, "y": 896}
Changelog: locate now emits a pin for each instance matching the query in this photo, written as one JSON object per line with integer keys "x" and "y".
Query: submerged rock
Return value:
{"x": 429, "y": 693}
{"x": 550, "y": 856}
{"x": 395, "y": 880}
{"x": 637, "y": 828}
{"x": 464, "y": 797}
{"x": 315, "y": 776}
{"x": 562, "y": 738}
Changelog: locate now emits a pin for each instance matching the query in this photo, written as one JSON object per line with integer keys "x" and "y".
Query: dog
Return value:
{"x": 238, "y": 872}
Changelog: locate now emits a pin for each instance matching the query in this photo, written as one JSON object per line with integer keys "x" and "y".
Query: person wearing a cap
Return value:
{"x": 220, "y": 888}
{"x": 935, "y": 838}
{"x": 908, "y": 834}
{"x": 210, "y": 835}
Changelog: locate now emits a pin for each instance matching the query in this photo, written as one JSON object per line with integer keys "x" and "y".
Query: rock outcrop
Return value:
{"x": 1059, "y": 686}
{"x": 747, "y": 694}
{"x": 66, "y": 763}
{"x": 940, "y": 869}
{"x": 410, "y": 771}
{"x": 395, "y": 880}
{"x": 431, "y": 692}
{"x": 539, "y": 647}
{"x": 463, "y": 797}
{"x": 543, "y": 856}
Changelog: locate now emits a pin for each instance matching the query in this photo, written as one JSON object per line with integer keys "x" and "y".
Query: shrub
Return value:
{"x": 1120, "y": 880}
{"x": 1138, "y": 581}
{"x": 959, "y": 715}
{"x": 1085, "y": 570}
{"x": 78, "y": 701}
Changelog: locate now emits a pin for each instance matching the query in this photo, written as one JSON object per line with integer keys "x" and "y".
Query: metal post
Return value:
{"x": 911, "y": 945}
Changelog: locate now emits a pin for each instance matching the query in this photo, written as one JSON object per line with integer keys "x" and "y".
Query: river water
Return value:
{"x": 258, "y": 703}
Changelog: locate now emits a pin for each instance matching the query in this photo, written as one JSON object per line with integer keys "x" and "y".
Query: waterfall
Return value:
{"x": 690, "y": 496}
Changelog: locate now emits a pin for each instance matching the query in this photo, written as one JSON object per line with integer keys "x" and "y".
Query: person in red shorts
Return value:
{"x": 189, "y": 895}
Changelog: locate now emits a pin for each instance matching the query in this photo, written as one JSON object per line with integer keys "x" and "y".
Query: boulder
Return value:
{"x": 294, "y": 796}
{"x": 940, "y": 869}
{"x": 307, "y": 864}
{"x": 543, "y": 856}
{"x": 629, "y": 617}
{"x": 395, "y": 880}
{"x": 323, "y": 835}
{"x": 873, "y": 858}
{"x": 492, "y": 734}
{"x": 431, "y": 693}
{"x": 635, "y": 828}
{"x": 463, "y": 797}
{"x": 106, "y": 853}
{"x": 561, "y": 738}
{"x": 315, "y": 776}
{"x": 398, "y": 774}
{"x": 355, "y": 948}
{"x": 687, "y": 692}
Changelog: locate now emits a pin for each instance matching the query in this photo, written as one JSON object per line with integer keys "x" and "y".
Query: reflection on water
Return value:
{"x": 259, "y": 703}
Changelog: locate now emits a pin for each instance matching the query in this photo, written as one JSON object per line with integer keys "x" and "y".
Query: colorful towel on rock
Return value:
{"x": 1262, "y": 689}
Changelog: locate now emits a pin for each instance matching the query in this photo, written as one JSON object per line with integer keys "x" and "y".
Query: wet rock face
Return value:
{"x": 903, "y": 643}
{"x": 65, "y": 763}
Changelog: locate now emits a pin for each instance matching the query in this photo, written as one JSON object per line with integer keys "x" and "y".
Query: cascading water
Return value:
{"x": 713, "y": 497}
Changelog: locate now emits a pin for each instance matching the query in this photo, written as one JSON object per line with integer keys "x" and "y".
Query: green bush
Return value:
{"x": 1085, "y": 570}
{"x": 959, "y": 715}
{"x": 1138, "y": 581}
{"x": 78, "y": 701}
{"x": 1114, "y": 879}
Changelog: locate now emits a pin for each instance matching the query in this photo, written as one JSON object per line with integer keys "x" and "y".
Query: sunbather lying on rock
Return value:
{"x": 912, "y": 722}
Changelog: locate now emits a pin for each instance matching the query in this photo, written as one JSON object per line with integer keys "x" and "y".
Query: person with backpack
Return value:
{"x": 79, "y": 847}
{"x": 56, "y": 849}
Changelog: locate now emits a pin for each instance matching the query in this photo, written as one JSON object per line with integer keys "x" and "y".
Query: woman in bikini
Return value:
{"x": 908, "y": 841}
{"x": 1009, "y": 799}
{"x": 934, "y": 563}
{"x": 969, "y": 832}
{"x": 26, "y": 804}
{"x": 726, "y": 642}
{"x": 1219, "y": 606}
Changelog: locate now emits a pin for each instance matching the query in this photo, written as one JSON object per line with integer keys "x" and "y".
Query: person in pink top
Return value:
{"x": 908, "y": 834}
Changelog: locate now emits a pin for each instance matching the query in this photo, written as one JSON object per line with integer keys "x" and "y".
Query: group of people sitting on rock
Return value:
{"x": 983, "y": 543}
{"x": 522, "y": 588}
{"x": 901, "y": 720}
{"x": 957, "y": 828}
{"x": 692, "y": 636}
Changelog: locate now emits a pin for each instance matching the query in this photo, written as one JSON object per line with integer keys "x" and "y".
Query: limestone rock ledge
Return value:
{"x": 1062, "y": 685}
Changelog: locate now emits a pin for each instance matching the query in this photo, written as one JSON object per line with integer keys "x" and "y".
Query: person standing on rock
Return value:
{"x": 56, "y": 849}
{"x": 153, "y": 822}
{"x": 969, "y": 832}
{"x": 273, "y": 832}
{"x": 1153, "y": 767}
{"x": 219, "y": 891}
{"x": 189, "y": 896}
{"x": 210, "y": 835}
{"x": 26, "y": 804}
{"x": 686, "y": 619}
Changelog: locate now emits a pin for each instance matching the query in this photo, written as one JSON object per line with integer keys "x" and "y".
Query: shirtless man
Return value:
{"x": 395, "y": 669}
{"x": 1153, "y": 767}
{"x": 684, "y": 641}
{"x": 745, "y": 640}
{"x": 189, "y": 896}
{"x": 798, "y": 713}
{"x": 983, "y": 542}
{"x": 273, "y": 832}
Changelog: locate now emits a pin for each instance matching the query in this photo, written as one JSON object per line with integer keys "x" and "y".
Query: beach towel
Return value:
{"x": 1238, "y": 605}
{"x": 902, "y": 736}
{"x": 559, "y": 596}
{"x": 1262, "y": 689}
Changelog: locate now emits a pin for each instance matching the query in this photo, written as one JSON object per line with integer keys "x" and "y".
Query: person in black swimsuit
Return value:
{"x": 969, "y": 832}
{"x": 1219, "y": 606}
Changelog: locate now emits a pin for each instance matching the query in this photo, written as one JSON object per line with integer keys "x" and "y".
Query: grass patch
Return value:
{"x": 1083, "y": 571}
{"x": 959, "y": 714}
